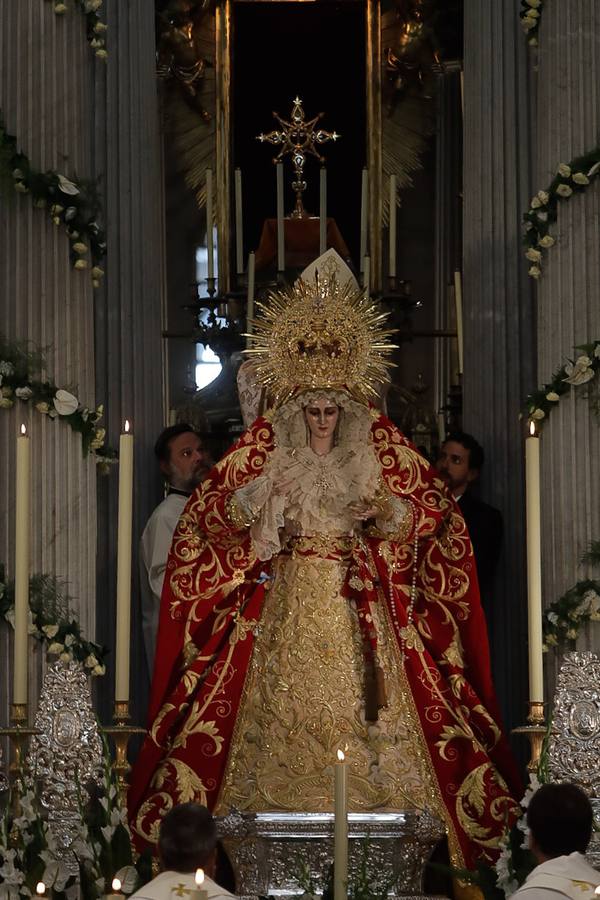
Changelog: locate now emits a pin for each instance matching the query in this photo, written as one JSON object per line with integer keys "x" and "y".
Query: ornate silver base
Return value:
{"x": 269, "y": 851}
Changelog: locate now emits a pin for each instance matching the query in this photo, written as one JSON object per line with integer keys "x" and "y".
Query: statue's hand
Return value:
{"x": 363, "y": 511}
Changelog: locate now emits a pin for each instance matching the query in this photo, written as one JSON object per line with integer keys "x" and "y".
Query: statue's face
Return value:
{"x": 322, "y": 417}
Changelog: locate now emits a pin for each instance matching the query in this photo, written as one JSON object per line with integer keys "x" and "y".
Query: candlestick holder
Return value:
{"x": 121, "y": 733}
{"x": 535, "y": 731}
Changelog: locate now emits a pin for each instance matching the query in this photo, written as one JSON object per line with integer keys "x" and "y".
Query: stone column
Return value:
{"x": 568, "y": 125}
{"x": 46, "y": 67}
{"x": 128, "y": 314}
{"x": 498, "y": 313}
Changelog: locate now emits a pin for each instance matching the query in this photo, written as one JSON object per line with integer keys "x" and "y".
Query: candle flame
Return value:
{"x": 40, "y": 888}
{"x": 341, "y": 756}
{"x": 127, "y": 426}
{"x": 116, "y": 884}
{"x": 24, "y": 431}
{"x": 199, "y": 877}
{"x": 532, "y": 428}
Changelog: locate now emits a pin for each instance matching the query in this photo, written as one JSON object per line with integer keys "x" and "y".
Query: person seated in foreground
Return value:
{"x": 560, "y": 820}
{"x": 187, "y": 842}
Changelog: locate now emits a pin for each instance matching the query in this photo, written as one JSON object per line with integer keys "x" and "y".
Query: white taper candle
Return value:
{"x": 534, "y": 565}
{"x": 459, "y": 318}
{"x": 22, "y": 531}
{"x": 209, "y": 224}
{"x": 124, "y": 564}
{"x": 340, "y": 834}
{"x": 280, "y": 220}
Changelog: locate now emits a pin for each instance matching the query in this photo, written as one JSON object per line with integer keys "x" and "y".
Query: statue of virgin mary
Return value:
{"x": 321, "y": 593}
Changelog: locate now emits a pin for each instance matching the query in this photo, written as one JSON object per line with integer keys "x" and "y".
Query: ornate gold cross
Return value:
{"x": 298, "y": 138}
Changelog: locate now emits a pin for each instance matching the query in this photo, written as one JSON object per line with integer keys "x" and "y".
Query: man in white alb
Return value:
{"x": 184, "y": 463}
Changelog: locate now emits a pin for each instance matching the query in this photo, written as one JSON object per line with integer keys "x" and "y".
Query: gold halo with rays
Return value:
{"x": 318, "y": 335}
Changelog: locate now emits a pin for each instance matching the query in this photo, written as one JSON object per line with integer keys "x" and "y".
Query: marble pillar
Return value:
{"x": 46, "y": 70}
{"x": 129, "y": 311}
{"x": 499, "y": 341}
{"x": 568, "y": 125}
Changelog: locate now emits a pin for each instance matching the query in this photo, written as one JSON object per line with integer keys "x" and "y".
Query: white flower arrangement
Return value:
{"x": 574, "y": 373}
{"x": 95, "y": 28}
{"x": 571, "y": 178}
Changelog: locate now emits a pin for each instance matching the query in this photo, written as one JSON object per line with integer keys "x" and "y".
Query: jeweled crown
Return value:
{"x": 318, "y": 334}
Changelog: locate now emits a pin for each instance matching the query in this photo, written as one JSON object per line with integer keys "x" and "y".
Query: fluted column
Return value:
{"x": 128, "y": 321}
{"x": 46, "y": 68}
{"x": 499, "y": 343}
{"x": 568, "y": 125}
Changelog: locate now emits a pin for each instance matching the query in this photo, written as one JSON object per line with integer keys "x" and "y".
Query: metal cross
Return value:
{"x": 299, "y": 139}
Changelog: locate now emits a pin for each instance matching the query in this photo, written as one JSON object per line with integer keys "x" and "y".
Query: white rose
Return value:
{"x": 90, "y": 661}
{"x": 546, "y": 241}
{"x": 535, "y": 271}
{"x": 564, "y": 170}
{"x": 6, "y": 392}
{"x": 101, "y": 54}
{"x": 56, "y": 647}
{"x": 6, "y": 403}
{"x": 80, "y": 247}
{"x": 544, "y": 196}
{"x": 552, "y": 396}
{"x": 98, "y": 439}
{"x": 23, "y": 393}
{"x": 42, "y": 406}
{"x": 542, "y": 216}
{"x": 564, "y": 190}
{"x": 535, "y": 202}
{"x": 65, "y": 657}
{"x": 69, "y": 640}
{"x": 538, "y": 414}
{"x": 92, "y": 5}
{"x": 99, "y": 670}
{"x": 533, "y": 254}
{"x": 80, "y": 264}
{"x": 60, "y": 8}
{"x": 65, "y": 403}
{"x": 580, "y": 178}
{"x": 6, "y": 368}
{"x": 50, "y": 630}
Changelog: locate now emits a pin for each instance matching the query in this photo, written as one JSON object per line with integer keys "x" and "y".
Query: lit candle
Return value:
{"x": 340, "y": 834}
{"x": 199, "y": 893}
{"x": 116, "y": 891}
{"x": 250, "y": 300}
{"x": 392, "y": 229}
{"x": 239, "y": 224}
{"x": 280, "y": 232}
{"x": 364, "y": 198}
{"x": 366, "y": 267}
{"x": 534, "y": 564}
{"x": 40, "y": 889}
{"x": 322, "y": 211}
{"x": 124, "y": 564}
{"x": 459, "y": 318}
{"x": 22, "y": 526}
{"x": 209, "y": 223}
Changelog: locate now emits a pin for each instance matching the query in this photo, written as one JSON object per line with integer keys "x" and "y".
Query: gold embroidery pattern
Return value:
{"x": 305, "y": 698}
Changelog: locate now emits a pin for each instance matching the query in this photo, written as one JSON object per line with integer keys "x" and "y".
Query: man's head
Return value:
{"x": 459, "y": 461}
{"x": 560, "y": 820}
{"x": 183, "y": 460}
{"x": 188, "y": 839}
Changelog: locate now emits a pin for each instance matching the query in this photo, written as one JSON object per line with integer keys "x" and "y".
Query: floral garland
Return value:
{"x": 564, "y": 619}
{"x": 574, "y": 373}
{"x": 95, "y": 28}
{"x": 571, "y": 178}
{"x": 75, "y": 205}
{"x": 20, "y": 379}
{"x": 530, "y": 15}
{"x": 51, "y": 622}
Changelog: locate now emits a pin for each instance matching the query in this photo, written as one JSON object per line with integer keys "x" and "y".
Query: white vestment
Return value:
{"x": 569, "y": 876}
{"x": 171, "y": 885}
{"x": 154, "y": 552}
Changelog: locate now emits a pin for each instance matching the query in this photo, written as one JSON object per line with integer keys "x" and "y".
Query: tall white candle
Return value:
{"x": 534, "y": 564}
{"x": 366, "y": 267}
{"x": 250, "y": 300}
{"x": 280, "y": 220}
{"x": 459, "y": 318}
{"x": 209, "y": 223}
{"x": 364, "y": 199}
{"x": 239, "y": 224}
{"x": 22, "y": 526}
{"x": 392, "y": 228}
{"x": 340, "y": 834}
{"x": 322, "y": 211}
{"x": 124, "y": 564}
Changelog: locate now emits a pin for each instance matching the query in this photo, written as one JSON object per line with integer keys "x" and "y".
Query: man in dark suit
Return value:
{"x": 459, "y": 463}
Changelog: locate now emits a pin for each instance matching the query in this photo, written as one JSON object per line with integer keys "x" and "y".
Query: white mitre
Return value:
{"x": 331, "y": 263}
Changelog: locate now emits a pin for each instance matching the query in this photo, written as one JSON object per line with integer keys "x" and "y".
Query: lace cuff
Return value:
{"x": 395, "y": 520}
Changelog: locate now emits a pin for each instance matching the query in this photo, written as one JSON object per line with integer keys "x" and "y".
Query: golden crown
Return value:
{"x": 318, "y": 334}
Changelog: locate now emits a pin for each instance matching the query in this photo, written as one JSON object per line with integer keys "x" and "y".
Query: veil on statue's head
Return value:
{"x": 322, "y": 335}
